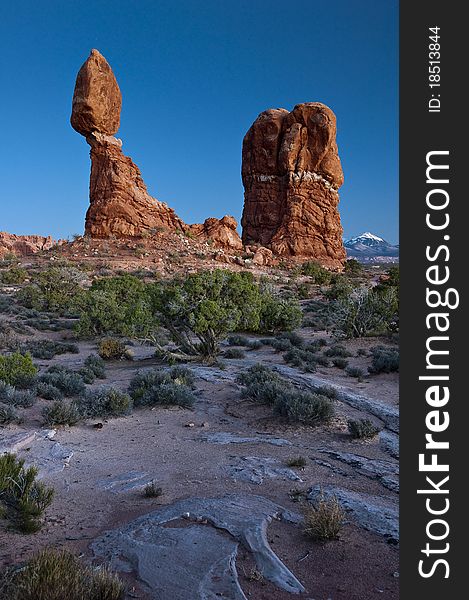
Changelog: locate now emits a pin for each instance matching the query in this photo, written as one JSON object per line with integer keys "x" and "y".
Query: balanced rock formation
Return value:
{"x": 25, "y": 245}
{"x": 291, "y": 174}
{"x": 120, "y": 204}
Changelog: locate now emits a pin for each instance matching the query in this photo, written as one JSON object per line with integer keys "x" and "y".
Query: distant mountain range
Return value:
{"x": 369, "y": 247}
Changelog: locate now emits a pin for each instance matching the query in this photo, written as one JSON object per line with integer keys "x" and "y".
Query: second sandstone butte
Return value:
{"x": 291, "y": 174}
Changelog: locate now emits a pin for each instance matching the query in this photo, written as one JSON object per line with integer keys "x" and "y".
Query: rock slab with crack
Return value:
{"x": 198, "y": 562}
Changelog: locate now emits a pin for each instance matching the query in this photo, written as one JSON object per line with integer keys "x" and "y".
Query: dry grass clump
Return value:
{"x": 59, "y": 575}
{"x": 23, "y": 500}
{"x": 362, "y": 429}
{"x": 113, "y": 349}
{"x": 324, "y": 521}
{"x": 151, "y": 490}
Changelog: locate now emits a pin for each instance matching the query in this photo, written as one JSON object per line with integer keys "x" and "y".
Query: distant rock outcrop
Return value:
{"x": 291, "y": 174}
{"x": 24, "y": 245}
{"x": 119, "y": 202}
{"x": 221, "y": 231}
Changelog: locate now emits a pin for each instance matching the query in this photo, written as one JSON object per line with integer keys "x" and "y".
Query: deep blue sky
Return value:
{"x": 194, "y": 75}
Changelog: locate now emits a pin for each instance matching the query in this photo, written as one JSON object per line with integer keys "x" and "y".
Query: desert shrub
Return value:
{"x": 31, "y": 297}
{"x": 22, "y": 498}
{"x": 151, "y": 490}
{"x": 254, "y": 345}
{"x": 182, "y": 375}
{"x": 305, "y": 407}
{"x": 362, "y": 352}
{"x": 391, "y": 279}
{"x": 280, "y": 344}
{"x": 87, "y": 375}
{"x": 17, "y": 369}
{"x": 326, "y": 390}
{"x": 61, "y": 413}
{"x": 234, "y": 353}
{"x": 324, "y": 521}
{"x": 47, "y": 323}
{"x": 104, "y": 402}
{"x": 318, "y": 274}
{"x": 366, "y": 312}
{"x": 169, "y": 394}
{"x": 302, "y": 359}
{"x": 96, "y": 365}
{"x": 340, "y": 288}
{"x": 269, "y": 392}
{"x": 156, "y": 387}
{"x": 56, "y": 289}
{"x": 144, "y": 381}
{"x": 294, "y": 338}
{"x": 362, "y": 429}
{"x": 7, "y": 415}
{"x": 337, "y": 351}
{"x": 316, "y": 344}
{"x": 340, "y": 363}
{"x": 118, "y": 305}
{"x": 384, "y": 360}
{"x": 10, "y": 395}
{"x": 47, "y": 349}
{"x": 297, "y": 461}
{"x": 318, "y": 315}
{"x": 355, "y": 372}
{"x": 13, "y": 276}
{"x": 67, "y": 381}
{"x": 48, "y": 391}
{"x": 353, "y": 267}
{"x": 264, "y": 386}
{"x": 258, "y": 374}
{"x": 59, "y": 575}
{"x": 112, "y": 349}
{"x": 238, "y": 340}
{"x": 279, "y": 314}
{"x": 6, "y": 391}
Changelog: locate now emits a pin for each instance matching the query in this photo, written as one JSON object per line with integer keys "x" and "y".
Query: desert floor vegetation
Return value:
{"x": 126, "y": 391}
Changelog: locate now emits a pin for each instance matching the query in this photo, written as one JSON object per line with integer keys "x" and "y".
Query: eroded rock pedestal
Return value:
{"x": 120, "y": 204}
{"x": 291, "y": 174}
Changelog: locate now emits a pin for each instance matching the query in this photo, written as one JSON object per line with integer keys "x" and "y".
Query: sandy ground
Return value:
{"x": 169, "y": 446}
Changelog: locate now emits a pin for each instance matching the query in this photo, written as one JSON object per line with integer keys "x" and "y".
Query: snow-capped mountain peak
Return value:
{"x": 369, "y": 246}
{"x": 366, "y": 237}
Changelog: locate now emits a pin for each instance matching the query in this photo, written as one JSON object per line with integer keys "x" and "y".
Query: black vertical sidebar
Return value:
{"x": 434, "y": 232}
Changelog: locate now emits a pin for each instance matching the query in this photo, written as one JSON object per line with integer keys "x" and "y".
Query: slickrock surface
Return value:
{"x": 291, "y": 174}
